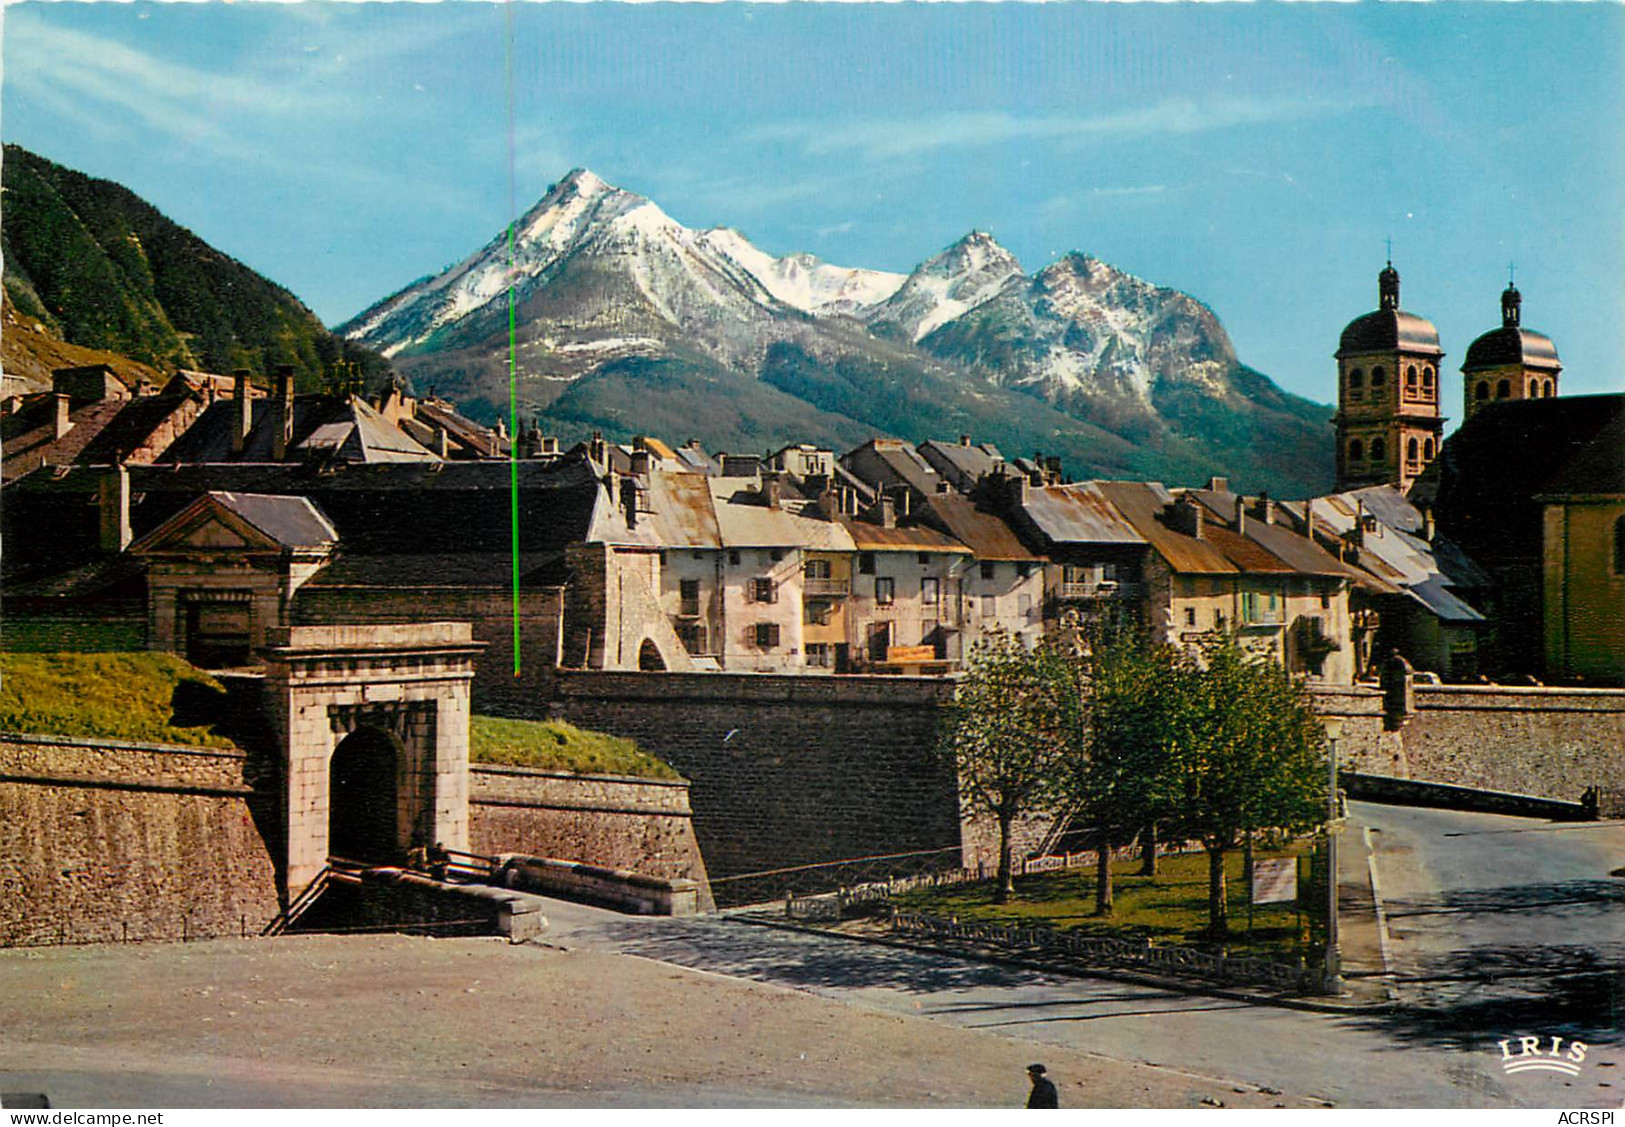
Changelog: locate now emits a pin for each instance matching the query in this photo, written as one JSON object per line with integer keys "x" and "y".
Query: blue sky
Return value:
{"x": 1256, "y": 156}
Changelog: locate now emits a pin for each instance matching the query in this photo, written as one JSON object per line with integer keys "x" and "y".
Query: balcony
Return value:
{"x": 825, "y": 588}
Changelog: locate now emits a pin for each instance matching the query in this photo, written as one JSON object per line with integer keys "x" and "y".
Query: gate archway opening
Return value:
{"x": 362, "y": 814}
{"x": 649, "y": 659}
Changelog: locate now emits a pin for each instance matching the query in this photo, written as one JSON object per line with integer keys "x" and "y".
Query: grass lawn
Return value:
{"x": 1170, "y": 909}
{"x": 118, "y": 696}
{"x": 557, "y": 745}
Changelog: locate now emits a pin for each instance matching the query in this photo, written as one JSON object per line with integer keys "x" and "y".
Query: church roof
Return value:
{"x": 1388, "y": 330}
{"x": 1511, "y": 345}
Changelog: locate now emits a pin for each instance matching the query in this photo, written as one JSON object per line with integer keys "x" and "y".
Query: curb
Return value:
{"x": 1178, "y": 986}
{"x": 1382, "y": 918}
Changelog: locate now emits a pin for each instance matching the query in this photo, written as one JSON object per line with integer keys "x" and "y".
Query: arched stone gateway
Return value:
{"x": 649, "y": 659}
{"x": 373, "y": 723}
{"x": 363, "y": 803}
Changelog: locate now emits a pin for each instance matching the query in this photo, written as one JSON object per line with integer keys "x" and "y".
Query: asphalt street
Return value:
{"x": 1500, "y": 927}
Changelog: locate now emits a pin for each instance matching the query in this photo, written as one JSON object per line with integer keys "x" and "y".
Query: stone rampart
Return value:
{"x": 1548, "y": 742}
{"x": 641, "y": 825}
{"x": 103, "y": 840}
{"x": 786, "y": 770}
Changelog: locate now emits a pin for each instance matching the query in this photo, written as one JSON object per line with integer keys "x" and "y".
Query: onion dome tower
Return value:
{"x": 1511, "y": 362}
{"x": 1388, "y": 421}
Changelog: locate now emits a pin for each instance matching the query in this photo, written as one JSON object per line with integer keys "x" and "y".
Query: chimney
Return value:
{"x": 629, "y": 500}
{"x": 113, "y": 502}
{"x": 1427, "y": 525}
{"x": 282, "y": 413}
{"x": 60, "y": 423}
{"x": 1309, "y": 518}
{"x": 888, "y": 511}
{"x": 1218, "y": 485}
{"x": 549, "y": 444}
{"x": 501, "y": 429}
{"x": 1241, "y": 516}
{"x": 1266, "y": 509}
{"x": 964, "y": 440}
{"x": 772, "y": 490}
{"x": 1186, "y": 517}
{"x": 1358, "y": 534}
{"x": 640, "y": 462}
{"x": 244, "y": 408}
{"x": 829, "y": 503}
{"x": 442, "y": 442}
{"x": 1052, "y": 470}
{"x": 597, "y": 451}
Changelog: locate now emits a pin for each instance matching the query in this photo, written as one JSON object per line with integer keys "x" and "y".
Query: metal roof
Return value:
{"x": 1078, "y": 514}
{"x": 744, "y": 520}
{"x": 1143, "y": 505}
{"x": 1512, "y": 345}
{"x": 1395, "y": 555}
{"x": 1387, "y": 330}
{"x": 868, "y": 537}
{"x": 987, "y": 536}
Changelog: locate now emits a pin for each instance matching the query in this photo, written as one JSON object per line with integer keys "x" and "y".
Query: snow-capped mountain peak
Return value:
{"x": 803, "y": 281}
{"x": 948, "y": 285}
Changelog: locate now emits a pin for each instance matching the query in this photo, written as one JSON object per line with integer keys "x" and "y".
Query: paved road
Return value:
{"x": 1475, "y": 893}
{"x": 1500, "y": 922}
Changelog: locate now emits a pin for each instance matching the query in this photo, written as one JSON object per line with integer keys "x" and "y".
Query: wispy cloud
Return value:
{"x": 1131, "y": 190}
{"x": 901, "y": 137}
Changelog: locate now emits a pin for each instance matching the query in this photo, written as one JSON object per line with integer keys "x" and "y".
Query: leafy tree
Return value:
{"x": 1251, "y": 756}
{"x": 1126, "y": 775}
{"x": 1006, "y": 734}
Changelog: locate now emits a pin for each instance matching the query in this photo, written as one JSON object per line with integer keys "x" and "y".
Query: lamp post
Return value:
{"x": 1332, "y": 981}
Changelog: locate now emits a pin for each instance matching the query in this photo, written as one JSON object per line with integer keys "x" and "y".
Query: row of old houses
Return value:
{"x": 178, "y": 519}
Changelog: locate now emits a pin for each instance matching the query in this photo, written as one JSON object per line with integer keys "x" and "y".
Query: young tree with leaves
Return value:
{"x": 1006, "y": 737}
{"x": 1127, "y": 773}
{"x": 1252, "y": 757}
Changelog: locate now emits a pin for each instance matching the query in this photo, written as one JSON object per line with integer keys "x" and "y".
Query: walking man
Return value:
{"x": 1043, "y": 1093}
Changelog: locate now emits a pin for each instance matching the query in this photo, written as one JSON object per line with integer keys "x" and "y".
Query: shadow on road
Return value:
{"x": 1519, "y": 985}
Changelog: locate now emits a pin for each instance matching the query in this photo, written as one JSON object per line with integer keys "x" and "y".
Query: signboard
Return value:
{"x": 1045, "y": 864}
{"x": 907, "y": 655}
{"x": 1276, "y": 881}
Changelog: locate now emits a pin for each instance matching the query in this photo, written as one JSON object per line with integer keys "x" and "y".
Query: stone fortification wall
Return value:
{"x": 786, "y": 770}
{"x": 102, "y": 840}
{"x": 615, "y": 822}
{"x": 1553, "y": 743}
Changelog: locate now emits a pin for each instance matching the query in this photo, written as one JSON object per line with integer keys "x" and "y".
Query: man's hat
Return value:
{"x": 1035, "y": 1068}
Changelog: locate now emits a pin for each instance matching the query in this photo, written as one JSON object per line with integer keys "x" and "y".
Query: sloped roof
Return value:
{"x": 1079, "y": 513}
{"x": 1388, "y": 330}
{"x": 287, "y": 522}
{"x": 1491, "y": 470}
{"x": 1396, "y": 554}
{"x": 349, "y": 428}
{"x": 1597, "y": 468}
{"x": 883, "y": 462}
{"x": 30, "y": 435}
{"x": 395, "y": 510}
{"x": 744, "y": 520}
{"x": 1143, "y": 505}
{"x": 970, "y": 461}
{"x": 985, "y": 534}
{"x": 868, "y": 537}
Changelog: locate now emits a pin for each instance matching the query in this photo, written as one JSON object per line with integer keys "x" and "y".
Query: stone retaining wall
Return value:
{"x": 786, "y": 770}
{"x": 612, "y": 821}
{"x": 103, "y": 840}
{"x": 1552, "y": 743}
